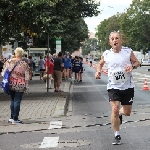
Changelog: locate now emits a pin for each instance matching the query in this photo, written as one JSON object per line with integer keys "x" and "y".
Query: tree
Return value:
{"x": 88, "y": 45}
{"x": 36, "y": 18}
{"x": 106, "y": 27}
{"x": 136, "y": 24}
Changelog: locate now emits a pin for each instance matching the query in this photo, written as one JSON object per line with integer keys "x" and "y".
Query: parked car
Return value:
{"x": 145, "y": 62}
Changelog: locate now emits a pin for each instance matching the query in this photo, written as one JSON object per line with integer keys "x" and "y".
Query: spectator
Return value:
{"x": 54, "y": 55}
{"x": 31, "y": 65}
{"x": 18, "y": 83}
{"x": 41, "y": 64}
{"x": 76, "y": 68}
{"x": 57, "y": 74}
{"x": 81, "y": 68}
{"x": 1, "y": 62}
{"x": 67, "y": 62}
{"x": 49, "y": 70}
{"x": 25, "y": 58}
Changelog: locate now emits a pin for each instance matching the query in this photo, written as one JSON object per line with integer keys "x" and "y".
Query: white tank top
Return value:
{"x": 118, "y": 78}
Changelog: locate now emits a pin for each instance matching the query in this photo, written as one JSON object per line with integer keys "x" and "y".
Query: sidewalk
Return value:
{"x": 38, "y": 107}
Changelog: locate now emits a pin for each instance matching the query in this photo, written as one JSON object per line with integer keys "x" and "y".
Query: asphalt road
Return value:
{"x": 87, "y": 123}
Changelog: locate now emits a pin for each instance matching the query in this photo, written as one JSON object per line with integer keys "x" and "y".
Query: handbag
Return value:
{"x": 6, "y": 79}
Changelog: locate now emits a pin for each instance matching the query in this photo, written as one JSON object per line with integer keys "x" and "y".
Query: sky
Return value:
{"x": 109, "y": 8}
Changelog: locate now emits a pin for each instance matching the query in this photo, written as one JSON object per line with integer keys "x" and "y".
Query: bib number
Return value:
{"x": 119, "y": 77}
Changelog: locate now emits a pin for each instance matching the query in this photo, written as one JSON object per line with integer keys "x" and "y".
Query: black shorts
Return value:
{"x": 124, "y": 96}
{"x": 90, "y": 62}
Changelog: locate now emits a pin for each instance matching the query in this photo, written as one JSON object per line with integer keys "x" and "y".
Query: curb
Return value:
{"x": 61, "y": 108}
{"x": 68, "y": 105}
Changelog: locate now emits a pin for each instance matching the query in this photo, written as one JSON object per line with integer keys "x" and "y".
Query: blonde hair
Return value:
{"x": 19, "y": 51}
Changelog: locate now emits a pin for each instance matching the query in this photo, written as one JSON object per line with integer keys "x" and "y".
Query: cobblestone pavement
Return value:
{"x": 37, "y": 107}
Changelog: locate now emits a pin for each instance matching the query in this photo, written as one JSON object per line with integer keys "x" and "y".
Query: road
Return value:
{"x": 87, "y": 126}
{"x": 91, "y": 115}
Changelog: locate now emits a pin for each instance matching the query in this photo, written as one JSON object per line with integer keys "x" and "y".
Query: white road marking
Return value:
{"x": 49, "y": 142}
{"x": 55, "y": 125}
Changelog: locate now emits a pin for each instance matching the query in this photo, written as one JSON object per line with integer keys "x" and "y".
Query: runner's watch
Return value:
{"x": 133, "y": 67}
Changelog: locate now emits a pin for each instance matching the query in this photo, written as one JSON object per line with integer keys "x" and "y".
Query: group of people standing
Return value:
{"x": 58, "y": 67}
{"x": 55, "y": 67}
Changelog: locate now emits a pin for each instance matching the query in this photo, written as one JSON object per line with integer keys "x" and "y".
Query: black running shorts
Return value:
{"x": 124, "y": 96}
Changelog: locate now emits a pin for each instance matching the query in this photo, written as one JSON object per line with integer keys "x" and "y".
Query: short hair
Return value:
{"x": 30, "y": 57}
{"x": 54, "y": 55}
{"x": 118, "y": 32}
{"x": 76, "y": 57}
{"x": 19, "y": 51}
{"x": 60, "y": 54}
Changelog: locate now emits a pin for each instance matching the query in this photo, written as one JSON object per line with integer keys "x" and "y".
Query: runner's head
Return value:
{"x": 115, "y": 40}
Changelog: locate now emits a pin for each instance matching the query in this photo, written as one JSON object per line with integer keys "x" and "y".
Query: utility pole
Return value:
{"x": 48, "y": 64}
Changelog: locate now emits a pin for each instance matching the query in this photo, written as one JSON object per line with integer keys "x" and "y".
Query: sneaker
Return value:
{"x": 10, "y": 120}
{"x": 17, "y": 122}
{"x": 13, "y": 121}
{"x": 120, "y": 117}
{"x": 117, "y": 140}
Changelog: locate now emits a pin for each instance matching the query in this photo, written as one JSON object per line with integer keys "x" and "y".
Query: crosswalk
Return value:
{"x": 49, "y": 142}
{"x": 55, "y": 142}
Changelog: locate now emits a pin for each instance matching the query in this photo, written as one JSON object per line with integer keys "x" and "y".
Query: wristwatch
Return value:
{"x": 133, "y": 67}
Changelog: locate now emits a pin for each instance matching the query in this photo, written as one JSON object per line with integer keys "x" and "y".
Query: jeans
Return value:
{"x": 16, "y": 98}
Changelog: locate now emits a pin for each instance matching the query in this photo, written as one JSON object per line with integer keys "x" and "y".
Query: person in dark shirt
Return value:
{"x": 76, "y": 68}
{"x": 57, "y": 74}
{"x": 81, "y": 69}
{"x": 1, "y": 63}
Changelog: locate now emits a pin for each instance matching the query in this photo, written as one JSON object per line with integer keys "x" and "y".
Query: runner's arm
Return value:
{"x": 99, "y": 68}
{"x": 100, "y": 64}
{"x": 134, "y": 60}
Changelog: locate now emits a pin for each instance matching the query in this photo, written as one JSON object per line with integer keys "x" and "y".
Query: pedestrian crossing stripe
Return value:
{"x": 55, "y": 125}
{"x": 49, "y": 142}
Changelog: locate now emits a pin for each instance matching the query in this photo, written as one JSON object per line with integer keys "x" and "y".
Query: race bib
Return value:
{"x": 119, "y": 77}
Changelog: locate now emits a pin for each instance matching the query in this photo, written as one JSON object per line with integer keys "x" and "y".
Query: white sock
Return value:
{"x": 117, "y": 133}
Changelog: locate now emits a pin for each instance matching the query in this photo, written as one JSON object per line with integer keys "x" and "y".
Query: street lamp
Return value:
{"x": 48, "y": 63}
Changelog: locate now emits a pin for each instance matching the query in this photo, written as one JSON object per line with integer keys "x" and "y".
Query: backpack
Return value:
{"x": 6, "y": 79}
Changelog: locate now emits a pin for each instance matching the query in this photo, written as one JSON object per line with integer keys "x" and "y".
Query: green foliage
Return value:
{"x": 89, "y": 45}
{"x": 37, "y": 18}
{"x": 107, "y": 26}
{"x": 134, "y": 25}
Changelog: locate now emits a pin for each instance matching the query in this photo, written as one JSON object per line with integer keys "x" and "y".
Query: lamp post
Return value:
{"x": 48, "y": 64}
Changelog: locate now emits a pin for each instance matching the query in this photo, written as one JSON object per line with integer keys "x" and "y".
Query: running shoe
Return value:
{"x": 10, "y": 120}
{"x": 17, "y": 122}
{"x": 117, "y": 140}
